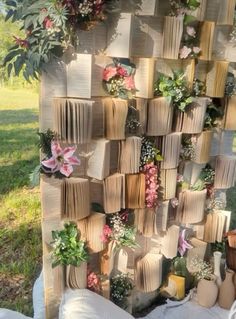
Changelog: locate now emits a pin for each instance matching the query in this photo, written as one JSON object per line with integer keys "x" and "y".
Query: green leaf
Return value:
{"x": 11, "y": 55}
{"x": 18, "y": 64}
{"x": 194, "y": 4}
{"x": 35, "y": 176}
{"x": 189, "y": 18}
{"x": 9, "y": 69}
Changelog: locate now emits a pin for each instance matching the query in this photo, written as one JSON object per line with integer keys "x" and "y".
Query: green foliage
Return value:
{"x": 45, "y": 140}
{"x": 67, "y": 248}
{"x": 199, "y": 87}
{"x": 121, "y": 286}
{"x": 149, "y": 152}
{"x": 206, "y": 178}
{"x": 179, "y": 7}
{"x": 179, "y": 268}
{"x": 174, "y": 88}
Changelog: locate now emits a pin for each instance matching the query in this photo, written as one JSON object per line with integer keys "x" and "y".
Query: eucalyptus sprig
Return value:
{"x": 68, "y": 249}
{"x": 175, "y": 88}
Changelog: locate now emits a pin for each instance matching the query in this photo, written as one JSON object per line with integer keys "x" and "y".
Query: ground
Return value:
{"x": 20, "y": 234}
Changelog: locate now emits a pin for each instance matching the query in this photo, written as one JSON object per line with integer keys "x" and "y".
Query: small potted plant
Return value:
{"x": 121, "y": 287}
{"x": 70, "y": 251}
{"x": 207, "y": 290}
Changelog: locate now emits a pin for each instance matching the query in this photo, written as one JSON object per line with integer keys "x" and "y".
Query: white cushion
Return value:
{"x": 85, "y": 304}
{"x": 9, "y": 314}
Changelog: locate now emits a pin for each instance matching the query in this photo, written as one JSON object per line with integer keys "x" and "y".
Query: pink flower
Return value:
{"x": 23, "y": 43}
{"x": 150, "y": 171}
{"x": 129, "y": 83}
{"x": 48, "y": 23}
{"x": 107, "y": 231}
{"x": 183, "y": 244}
{"x": 61, "y": 160}
{"x": 184, "y": 52}
{"x": 180, "y": 178}
{"x": 121, "y": 71}
{"x": 109, "y": 72}
{"x": 196, "y": 50}
{"x": 93, "y": 281}
{"x": 191, "y": 31}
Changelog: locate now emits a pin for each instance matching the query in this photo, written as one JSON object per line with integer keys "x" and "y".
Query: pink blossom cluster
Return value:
{"x": 93, "y": 281}
{"x": 118, "y": 73}
{"x": 106, "y": 234}
{"x": 150, "y": 170}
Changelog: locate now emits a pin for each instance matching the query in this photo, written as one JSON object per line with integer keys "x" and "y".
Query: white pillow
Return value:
{"x": 85, "y": 304}
{"x": 9, "y": 314}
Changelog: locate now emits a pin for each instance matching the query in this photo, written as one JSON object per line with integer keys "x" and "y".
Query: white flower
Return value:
{"x": 196, "y": 50}
{"x": 184, "y": 52}
{"x": 191, "y": 31}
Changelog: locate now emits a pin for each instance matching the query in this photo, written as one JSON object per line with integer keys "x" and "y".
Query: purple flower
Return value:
{"x": 183, "y": 245}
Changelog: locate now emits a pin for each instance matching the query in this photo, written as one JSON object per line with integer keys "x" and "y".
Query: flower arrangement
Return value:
{"x": 49, "y": 30}
{"x": 68, "y": 249}
{"x": 132, "y": 124}
{"x": 119, "y": 231}
{"x": 93, "y": 281}
{"x": 149, "y": 152}
{"x": 199, "y": 87}
{"x": 175, "y": 88}
{"x": 214, "y": 114}
{"x": 187, "y": 151}
{"x": 183, "y": 7}
{"x": 151, "y": 184}
{"x": 118, "y": 79}
{"x": 201, "y": 269}
{"x": 190, "y": 48}
{"x": 121, "y": 287}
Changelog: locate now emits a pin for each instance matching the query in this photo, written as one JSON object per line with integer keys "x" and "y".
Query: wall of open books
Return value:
{"x": 141, "y": 156}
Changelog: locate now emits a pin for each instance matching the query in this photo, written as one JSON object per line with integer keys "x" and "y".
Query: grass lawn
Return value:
{"x": 20, "y": 235}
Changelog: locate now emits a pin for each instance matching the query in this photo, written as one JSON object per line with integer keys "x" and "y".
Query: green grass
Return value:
{"x": 20, "y": 231}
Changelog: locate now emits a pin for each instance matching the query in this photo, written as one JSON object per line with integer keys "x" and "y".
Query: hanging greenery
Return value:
{"x": 49, "y": 30}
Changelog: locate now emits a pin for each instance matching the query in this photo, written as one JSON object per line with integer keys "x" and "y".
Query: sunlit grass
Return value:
{"x": 20, "y": 231}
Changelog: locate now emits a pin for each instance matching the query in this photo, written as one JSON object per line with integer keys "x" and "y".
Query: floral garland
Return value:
{"x": 118, "y": 79}
{"x": 190, "y": 48}
{"x": 151, "y": 184}
{"x": 50, "y": 28}
{"x": 119, "y": 231}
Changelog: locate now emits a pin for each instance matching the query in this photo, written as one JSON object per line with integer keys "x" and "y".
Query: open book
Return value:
{"x": 191, "y": 121}
{"x": 168, "y": 178}
{"x": 75, "y": 198}
{"x": 172, "y": 35}
{"x": 160, "y": 116}
{"x": 98, "y": 126}
{"x": 141, "y": 106}
{"x": 119, "y": 35}
{"x": 99, "y": 162}
{"x": 148, "y": 8}
{"x": 148, "y": 272}
{"x": 130, "y": 155}
{"x": 191, "y": 171}
{"x": 216, "y": 78}
{"x": 225, "y": 172}
{"x": 53, "y": 83}
{"x": 215, "y": 227}
{"x": 170, "y": 150}
{"x": 147, "y": 36}
{"x": 76, "y": 277}
{"x": 135, "y": 191}
{"x": 144, "y": 221}
{"x": 85, "y": 75}
{"x": 200, "y": 12}
{"x": 144, "y": 77}
{"x": 230, "y": 114}
{"x": 162, "y": 216}
{"x": 202, "y": 147}
{"x": 191, "y": 208}
{"x": 206, "y": 40}
{"x": 50, "y": 191}
{"x": 170, "y": 240}
{"x": 226, "y": 12}
{"x": 198, "y": 250}
{"x": 114, "y": 193}
{"x": 116, "y": 111}
{"x": 94, "y": 230}
{"x": 73, "y": 119}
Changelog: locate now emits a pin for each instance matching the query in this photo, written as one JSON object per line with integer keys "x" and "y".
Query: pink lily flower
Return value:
{"x": 183, "y": 244}
{"x": 61, "y": 160}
